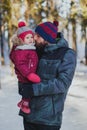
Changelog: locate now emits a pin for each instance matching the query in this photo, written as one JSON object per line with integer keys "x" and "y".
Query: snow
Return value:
{"x": 9, "y": 118}
{"x": 75, "y": 112}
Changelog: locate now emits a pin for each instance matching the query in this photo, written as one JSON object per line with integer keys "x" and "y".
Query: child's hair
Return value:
{"x": 15, "y": 40}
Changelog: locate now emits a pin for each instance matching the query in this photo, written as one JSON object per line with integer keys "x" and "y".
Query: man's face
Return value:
{"x": 39, "y": 41}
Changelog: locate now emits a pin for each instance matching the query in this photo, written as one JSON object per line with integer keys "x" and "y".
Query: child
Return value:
{"x": 25, "y": 60}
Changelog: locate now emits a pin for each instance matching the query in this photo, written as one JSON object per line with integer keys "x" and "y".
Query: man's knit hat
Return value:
{"x": 48, "y": 31}
{"x": 23, "y": 30}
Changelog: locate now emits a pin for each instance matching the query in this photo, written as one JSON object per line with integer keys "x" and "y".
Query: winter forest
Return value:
{"x": 71, "y": 15}
{"x": 72, "y": 18}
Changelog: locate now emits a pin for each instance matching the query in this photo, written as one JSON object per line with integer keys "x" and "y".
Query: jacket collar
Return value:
{"x": 60, "y": 43}
{"x": 26, "y": 47}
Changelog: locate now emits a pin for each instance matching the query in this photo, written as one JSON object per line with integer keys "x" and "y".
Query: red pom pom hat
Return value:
{"x": 23, "y": 30}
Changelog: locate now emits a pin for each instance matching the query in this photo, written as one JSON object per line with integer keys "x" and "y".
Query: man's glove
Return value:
{"x": 26, "y": 90}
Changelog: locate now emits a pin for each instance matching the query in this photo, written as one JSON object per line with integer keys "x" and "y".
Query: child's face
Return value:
{"x": 28, "y": 39}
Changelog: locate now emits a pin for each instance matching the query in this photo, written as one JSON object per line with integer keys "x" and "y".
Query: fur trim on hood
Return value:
{"x": 16, "y": 41}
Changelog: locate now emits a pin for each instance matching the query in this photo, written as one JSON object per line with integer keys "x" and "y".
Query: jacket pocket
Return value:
{"x": 58, "y": 103}
{"x": 43, "y": 106}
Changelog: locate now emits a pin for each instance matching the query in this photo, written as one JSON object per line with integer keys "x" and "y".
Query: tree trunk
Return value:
{"x": 70, "y": 34}
{"x": 74, "y": 45}
{"x": 86, "y": 48}
{"x": 86, "y": 53}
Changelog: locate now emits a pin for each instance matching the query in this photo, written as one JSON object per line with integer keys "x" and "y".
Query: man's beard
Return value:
{"x": 39, "y": 45}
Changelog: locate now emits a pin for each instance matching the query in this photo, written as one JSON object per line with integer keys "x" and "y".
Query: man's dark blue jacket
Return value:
{"x": 47, "y": 104}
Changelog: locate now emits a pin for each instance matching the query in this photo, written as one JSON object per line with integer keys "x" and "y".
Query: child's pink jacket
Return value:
{"x": 25, "y": 62}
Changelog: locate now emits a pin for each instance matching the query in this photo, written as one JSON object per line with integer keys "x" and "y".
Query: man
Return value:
{"x": 56, "y": 69}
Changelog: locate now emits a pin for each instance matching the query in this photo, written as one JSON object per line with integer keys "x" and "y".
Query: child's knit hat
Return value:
{"x": 23, "y": 30}
{"x": 48, "y": 31}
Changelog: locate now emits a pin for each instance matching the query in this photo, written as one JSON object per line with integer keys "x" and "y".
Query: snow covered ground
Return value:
{"x": 75, "y": 112}
{"x": 9, "y": 118}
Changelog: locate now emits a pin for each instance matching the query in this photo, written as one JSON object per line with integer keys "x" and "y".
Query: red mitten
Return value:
{"x": 20, "y": 103}
{"x": 34, "y": 78}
